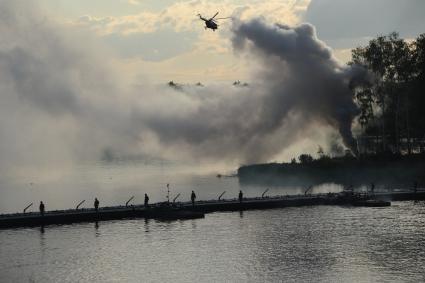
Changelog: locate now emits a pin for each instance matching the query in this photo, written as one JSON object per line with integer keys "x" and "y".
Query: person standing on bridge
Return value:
{"x": 193, "y": 198}
{"x": 146, "y": 200}
{"x": 41, "y": 207}
{"x": 240, "y": 196}
{"x": 96, "y": 204}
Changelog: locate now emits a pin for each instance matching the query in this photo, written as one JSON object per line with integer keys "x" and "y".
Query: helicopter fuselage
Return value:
{"x": 210, "y": 24}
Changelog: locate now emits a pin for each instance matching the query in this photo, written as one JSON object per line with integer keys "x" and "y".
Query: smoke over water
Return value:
{"x": 63, "y": 100}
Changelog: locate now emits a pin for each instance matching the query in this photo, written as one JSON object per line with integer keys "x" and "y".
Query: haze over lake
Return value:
{"x": 113, "y": 183}
{"x": 105, "y": 103}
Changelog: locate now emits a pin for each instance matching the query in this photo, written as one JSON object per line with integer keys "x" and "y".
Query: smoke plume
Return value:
{"x": 302, "y": 76}
{"x": 298, "y": 85}
{"x": 63, "y": 100}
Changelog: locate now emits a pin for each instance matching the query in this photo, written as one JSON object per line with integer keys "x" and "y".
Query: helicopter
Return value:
{"x": 211, "y": 23}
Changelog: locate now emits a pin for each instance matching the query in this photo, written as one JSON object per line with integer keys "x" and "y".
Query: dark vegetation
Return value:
{"x": 381, "y": 169}
{"x": 392, "y": 105}
{"x": 392, "y": 118}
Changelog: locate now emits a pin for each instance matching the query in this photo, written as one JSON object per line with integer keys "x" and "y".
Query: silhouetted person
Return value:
{"x": 193, "y": 198}
{"x": 415, "y": 186}
{"x": 96, "y": 204}
{"x": 372, "y": 188}
{"x": 240, "y": 196}
{"x": 146, "y": 200}
{"x": 41, "y": 208}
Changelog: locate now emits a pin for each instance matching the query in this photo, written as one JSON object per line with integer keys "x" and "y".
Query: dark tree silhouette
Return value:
{"x": 392, "y": 104}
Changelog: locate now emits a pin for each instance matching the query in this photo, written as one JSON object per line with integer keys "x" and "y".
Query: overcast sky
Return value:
{"x": 347, "y": 23}
{"x": 165, "y": 38}
{"x": 80, "y": 78}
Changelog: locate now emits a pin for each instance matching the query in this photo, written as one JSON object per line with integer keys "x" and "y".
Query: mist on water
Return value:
{"x": 65, "y": 104}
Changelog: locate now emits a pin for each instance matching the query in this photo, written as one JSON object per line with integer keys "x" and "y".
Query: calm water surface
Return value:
{"x": 306, "y": 244}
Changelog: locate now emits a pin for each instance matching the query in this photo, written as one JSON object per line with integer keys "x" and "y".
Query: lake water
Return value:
{"x": 304, "y": 244}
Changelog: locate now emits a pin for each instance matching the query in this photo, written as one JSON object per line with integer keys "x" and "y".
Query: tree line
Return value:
{"x": 392, "y": 112}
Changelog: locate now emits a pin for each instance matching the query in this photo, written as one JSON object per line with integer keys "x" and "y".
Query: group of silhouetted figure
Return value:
{"x": 146, "y": 202}
{"x": 193, "y": 198}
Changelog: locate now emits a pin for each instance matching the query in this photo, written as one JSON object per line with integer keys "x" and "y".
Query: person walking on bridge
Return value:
{"x": 193, "y": 198}
{"x": 146, "y": 200}
{"x": 96, "y": 204}
{"x": 41, "y": 207}
{"x": 240, "y": 196}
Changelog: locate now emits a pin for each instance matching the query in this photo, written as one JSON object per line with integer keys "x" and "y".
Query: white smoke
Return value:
{"x": 60, "y": 99}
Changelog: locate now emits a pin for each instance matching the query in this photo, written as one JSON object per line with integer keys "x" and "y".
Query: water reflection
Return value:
{"x": 320, "y": 244}
{"x": 147, "y": 220}
{"x": 42, "y": 242}
{"x": 96, "y": 229}
{"x": 193, "y": 223}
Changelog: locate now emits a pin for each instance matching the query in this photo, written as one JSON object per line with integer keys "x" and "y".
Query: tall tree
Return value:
{"x": 390, "y": 60}
{"x": 417, "y": 104}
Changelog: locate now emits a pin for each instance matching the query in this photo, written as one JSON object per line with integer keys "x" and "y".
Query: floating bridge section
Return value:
{"x": 185, "y": 210}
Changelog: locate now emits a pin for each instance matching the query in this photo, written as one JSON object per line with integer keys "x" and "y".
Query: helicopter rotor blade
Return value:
{"x": 214, "y": 16}
{"x": 202, "y": 18}
{"x": 223, "y": 18}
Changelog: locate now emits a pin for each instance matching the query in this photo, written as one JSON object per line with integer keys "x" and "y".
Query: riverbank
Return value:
{"x": 383, "y": 170}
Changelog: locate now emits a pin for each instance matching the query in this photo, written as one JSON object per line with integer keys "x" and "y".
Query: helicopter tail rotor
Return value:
{"x": 202, "y": 18}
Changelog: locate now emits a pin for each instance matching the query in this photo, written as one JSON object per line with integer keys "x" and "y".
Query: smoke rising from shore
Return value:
{"x": 62, "y": 100}
{"x": 301, "y": 76}
{"x": 298, "y": 85}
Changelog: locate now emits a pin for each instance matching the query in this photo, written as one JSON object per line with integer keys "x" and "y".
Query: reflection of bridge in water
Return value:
{"x": 185, "y": 210}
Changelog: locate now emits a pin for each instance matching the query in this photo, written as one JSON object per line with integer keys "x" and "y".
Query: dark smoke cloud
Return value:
{"x": 298, "y": 85}
{"x": 301, "y": 75}
{"x": 61, "y": 99}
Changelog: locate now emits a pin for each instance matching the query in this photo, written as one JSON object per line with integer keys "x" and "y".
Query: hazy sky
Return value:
{"x": 86, "y": 79}
{"x": 165, "y": 41}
